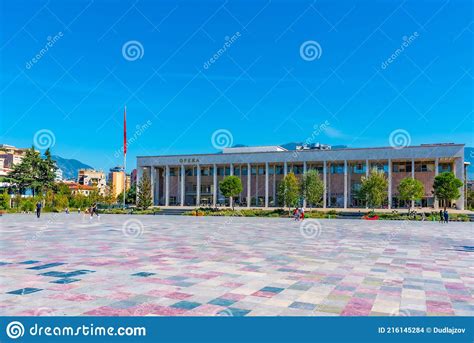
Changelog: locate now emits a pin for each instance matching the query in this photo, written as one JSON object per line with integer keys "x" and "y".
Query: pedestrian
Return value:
{"x": 79, "y": 210}
{"x": 67, "y": 210}
{"x": 38, "y": 209}
{"x": 446, "y": 216}
{"x": 302, "y": 213}
{"x": 94, "y": 210}
{"x": 296, "y": 214}
{"x": 441, "y": 216}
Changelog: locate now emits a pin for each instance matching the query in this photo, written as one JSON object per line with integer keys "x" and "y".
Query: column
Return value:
{"x": 367, "y": 170}
{"x": 436, "y": 201}
{"x": 389, "y": 183}
{"x": 214, "y": 191}
{"x": 325, "y": 181}
{"x": 345, "y": 183}
{"x": 152, "y": 184}
{"x": 266, "y": 183}
{"x": 249, "y": 183}
{"x": 285, "y": 168}
{"x": 231, "y": 167}
{"x": 304, "y": 173}
{"x": 139, "y": 176}
{"x": 413, "y": 177}
{"x": 274, "y": 186}
{"x": 183, "y": 176}
{"x": 198, "y": 185}
{"x": 167, "y": 185}
{"x": 158, "y": 179}
{"x": 459, "y": 173}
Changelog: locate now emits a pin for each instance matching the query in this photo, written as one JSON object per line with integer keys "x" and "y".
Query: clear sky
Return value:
{"x": 262, "y": 87}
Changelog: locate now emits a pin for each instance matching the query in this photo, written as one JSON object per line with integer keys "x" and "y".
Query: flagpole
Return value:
{"x": 124, "y": 155}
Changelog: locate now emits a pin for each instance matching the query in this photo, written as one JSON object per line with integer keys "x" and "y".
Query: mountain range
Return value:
{"x": 69, "y": 167}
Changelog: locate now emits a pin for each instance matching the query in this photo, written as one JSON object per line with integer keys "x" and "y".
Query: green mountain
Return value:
{"x": 69, "y": 166}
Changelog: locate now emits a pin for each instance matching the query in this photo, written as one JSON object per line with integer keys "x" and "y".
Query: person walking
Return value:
{"x": 38, "y": 209}
{"x": 302, "y": 213}
{"x": 441, "y": 216}
{"x": 94, "y": 210}
{"x": 446, "y": 216}
{"x": 296, "y": 213}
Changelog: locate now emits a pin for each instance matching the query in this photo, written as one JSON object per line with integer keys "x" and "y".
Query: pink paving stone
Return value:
{"x": 178, "y": 295}
{"x": 438, "y": 306}
{"x": 233, "y": 296}
{"x": 264, "y": 294}
{"x": 167, "y": 311}
{"x": 61, "y": 287}
{"x": 452, "y": 285}
{"x": 232, "y": 284}
{"x": 72, "y": 297}
{"x": 206, "y": 310}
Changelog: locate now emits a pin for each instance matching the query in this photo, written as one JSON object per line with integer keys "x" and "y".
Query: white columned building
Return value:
{"x": 171, "y": 186}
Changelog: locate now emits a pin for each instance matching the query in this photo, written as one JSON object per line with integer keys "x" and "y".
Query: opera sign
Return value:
{"x": 189, "y": 160}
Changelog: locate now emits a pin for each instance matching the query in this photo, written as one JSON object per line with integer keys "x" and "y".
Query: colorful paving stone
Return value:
{"x": 214, "y": 266}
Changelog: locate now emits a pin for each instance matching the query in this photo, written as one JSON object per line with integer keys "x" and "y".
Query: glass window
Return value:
{"x": 227, "y": 171}
{"x": 220, "y": 171}
{"x": 237, "y": 171}
{"x": 172, "y": 171}
{"x": 337, "y": 168}
{"x": 279, "y": 170}
{"x": 253, "y": 171}
{"x": 444, "y": 167}
{"x": 244, "y": 170}
{"x": 261, "y": 171}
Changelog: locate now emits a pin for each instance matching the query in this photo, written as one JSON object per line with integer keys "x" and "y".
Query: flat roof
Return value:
{"x": 314, "y": 150}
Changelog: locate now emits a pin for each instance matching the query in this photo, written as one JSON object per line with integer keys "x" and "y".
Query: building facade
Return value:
{"x": 116, "y": 181}
{"x": 92, "y": 178}
{"x": 10, "y": 156}
{"x": 193, "y": 180}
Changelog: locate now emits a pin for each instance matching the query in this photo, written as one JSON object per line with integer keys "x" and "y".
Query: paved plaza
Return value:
{"x": 204, "y": 266}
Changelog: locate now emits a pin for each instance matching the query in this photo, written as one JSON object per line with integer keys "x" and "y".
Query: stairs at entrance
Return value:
{"x": 172, "y": 211}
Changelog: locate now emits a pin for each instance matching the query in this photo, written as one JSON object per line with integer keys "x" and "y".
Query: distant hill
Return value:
{"x": 69, "y": 166}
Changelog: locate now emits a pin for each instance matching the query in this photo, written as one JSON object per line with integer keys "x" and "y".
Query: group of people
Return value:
{"x": 92, "y": 210}
{"x": 298, "y": 213}
{"x": 443, "y": 216}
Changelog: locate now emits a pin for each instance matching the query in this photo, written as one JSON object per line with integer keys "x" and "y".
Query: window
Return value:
{"x": 244, "y": 171}
{"x": 220, "y": 171}
{"x": 237, "y": 171}
{"x": 172, "y": 171}
{"x": 279, "y": 170}
{"x": 205, "y": 171}
{"x": 253, "y": 171}
{"x": 358, "y": 168}
{"x": 337, "y": 168}
{"x": 261, "y": 171}
{"x": 189, "y": 172}
{"x": 424, "y": 167}
{"x": 379, "y": 166}
{"x": 444, "y": 167}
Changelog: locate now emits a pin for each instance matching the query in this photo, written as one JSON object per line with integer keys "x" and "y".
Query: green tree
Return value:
{"x": 312, "y": 188}
{"x": 130, "y": 196}
{"x": 410, "y": 189}
{"x": 144, "y": 192}
{"x": 230, "y": 187}
{"x": 33, "y": 172}
{"x": 470, "y": 199}
{"x": 373, "y": 188}
{"x": 4, "y": 200}
{"x": 288, "y": 191}
{"x": 446, "y": 187}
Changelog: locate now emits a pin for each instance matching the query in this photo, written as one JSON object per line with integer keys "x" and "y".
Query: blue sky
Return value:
{"x": 260, "y": 88}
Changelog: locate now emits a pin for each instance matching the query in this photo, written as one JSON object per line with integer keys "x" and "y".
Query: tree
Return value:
{"x": 410, "y": 189}
{"x": 130, "y": 196}
{"x": 446, "y": 187}
{"x": 288, "y": 191}
{"x": 144, "y": 192}
{"x": 4, "y": 200}
{"x": 373, "y": 188}
{"x": 230, "y": 186}
{"x": 33, "y": 172}
{"x": 312, "y": 187}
